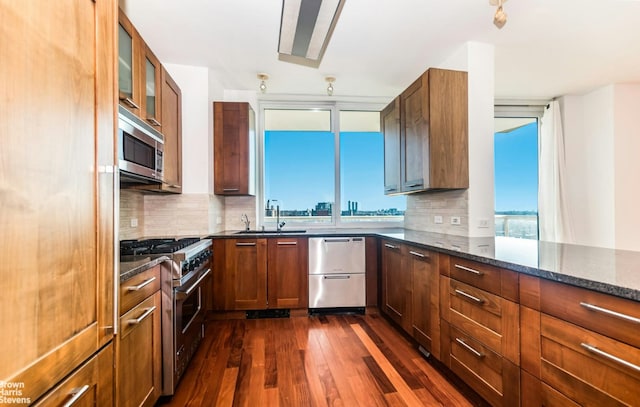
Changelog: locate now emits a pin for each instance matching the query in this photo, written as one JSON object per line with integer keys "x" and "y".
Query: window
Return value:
{"x": 516, "y": 177}
{"x": 317, "y": 175}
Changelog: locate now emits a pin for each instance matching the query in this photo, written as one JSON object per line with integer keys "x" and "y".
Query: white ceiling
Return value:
{"x": 547, "y": 48}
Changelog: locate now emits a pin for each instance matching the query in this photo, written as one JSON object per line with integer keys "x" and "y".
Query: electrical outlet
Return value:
{"x": 455, "y": 220}
{"x": 437, "y": 219}
{"x": 134, "y": 222}
{"x": 483, "y": 223}
{"x": 218, "y": 220}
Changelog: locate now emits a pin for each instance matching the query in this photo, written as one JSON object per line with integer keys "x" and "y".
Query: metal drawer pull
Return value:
{"x": 184, "y": 294}
{"x": 469, "y": 348}
{"x": 287, "y": 243}
{"x": 476, "y": 272}
{"x": 77, "y": 394}
{"x": 231, "y": 189}
{"x": 145, "y": 314}
{"x": 609, "y": 356}
{"x": 390, "y": 246}
{"x": 337, "y": 240}
{"x": 609, "y": 312}
{"x": 141, "y": 285}
{"x": 245, "y": 244}
{"x": 130, "y": 103}
{"x": 337, "y": 277}
{"x": 153, "y": 121}
{"x": 417, "y": 254}
{"x": 469, "y": 296}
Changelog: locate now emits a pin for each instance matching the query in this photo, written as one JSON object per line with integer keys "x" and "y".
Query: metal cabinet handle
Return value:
{"x": 129, "y": 102}
{"x": 611, "y": 313}
{"x": 287, "y": 243}
{"x": 145, "y": 314}
{"x": 611, "y": 357}
{"x": 231, "y": 189}
{"x": 469, "y": 296}
{"x": 476, "y": 272}
{"x": 390, "y": 189}
{"x": 414, "y": 185}
{"x": 337, "y": 277}
{"x": 469, "y": 348}
{"x": 339, "y": 240}
{"x": 153, "y": 121}
{"x": 141, "y": 285}
{"x": 390, "y": 246}
{"x": 245, "y": 244}
{"x": 184, "y": 294}
{"x": 76, "y": 395}
{"x": 423, "y": 256}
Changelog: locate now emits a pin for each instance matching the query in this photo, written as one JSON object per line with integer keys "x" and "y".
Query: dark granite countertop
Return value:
{"x": 615, "y": 272}
{"x": 133, "y": 265}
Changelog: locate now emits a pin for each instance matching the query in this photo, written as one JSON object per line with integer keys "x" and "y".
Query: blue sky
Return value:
{"x": 516, "y": 169}
{"x": 301, "y": 165}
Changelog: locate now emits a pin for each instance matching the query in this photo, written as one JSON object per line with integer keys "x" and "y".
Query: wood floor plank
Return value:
{"x": 324, "y": 361}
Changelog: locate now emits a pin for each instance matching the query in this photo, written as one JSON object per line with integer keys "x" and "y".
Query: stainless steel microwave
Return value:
{"x": 140, "y": 149}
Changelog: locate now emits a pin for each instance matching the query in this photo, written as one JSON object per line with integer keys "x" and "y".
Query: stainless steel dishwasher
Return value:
{"x": 337, "y": 274}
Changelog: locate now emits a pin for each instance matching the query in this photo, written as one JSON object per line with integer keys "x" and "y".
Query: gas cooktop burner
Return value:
{"x": 155, "y": 246}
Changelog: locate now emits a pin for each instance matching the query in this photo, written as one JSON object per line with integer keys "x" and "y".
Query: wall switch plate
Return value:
{"x": 218, "y": 220}
{"x": 134, "y": 222}
{"x": 455, "y": 220}
{"x": 437, "y": 219}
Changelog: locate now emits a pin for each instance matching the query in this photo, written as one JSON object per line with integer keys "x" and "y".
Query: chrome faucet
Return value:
{"x": 246, "y": 221}
{"x": 279, "y": 224}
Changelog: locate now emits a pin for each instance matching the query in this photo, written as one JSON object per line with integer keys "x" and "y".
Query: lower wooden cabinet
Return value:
{"x": 579, "y": 347}
{"x": 425, "y": 312}
{"x": 258, "y": 274}
{"x": 139, "y": 367}
{"x": 396, "y": 285}
{"x": 90, "y": 385}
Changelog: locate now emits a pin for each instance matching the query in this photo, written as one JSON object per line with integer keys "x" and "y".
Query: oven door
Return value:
{"x": 189, "y": 320}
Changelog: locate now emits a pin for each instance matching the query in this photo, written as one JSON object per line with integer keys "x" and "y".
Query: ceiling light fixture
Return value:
{"x": 305, "y": 29}
{"x": 500, "y": 18}
{"x": 263, "y": 86}
{"x": 330, "y": 79}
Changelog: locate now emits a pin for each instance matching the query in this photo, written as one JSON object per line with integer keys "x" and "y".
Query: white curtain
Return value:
{"x": 553, "y": 206}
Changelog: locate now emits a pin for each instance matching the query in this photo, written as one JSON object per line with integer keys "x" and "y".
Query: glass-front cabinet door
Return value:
{"x": 151, "y": 89}
{"x": 127, "y": 72}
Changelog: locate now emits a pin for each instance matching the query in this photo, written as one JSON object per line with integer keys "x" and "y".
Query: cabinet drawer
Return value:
{"x": 493, "y": 377}
{"x": 139, "y": 287}
{"x": 146, "y": 310}
{"x": 90, "y": 385}
{"x": 615, "y": 317}
{"x": 587, "y": 367}
{"x": 492, "y": 279}
{"x": 490, "y": 319}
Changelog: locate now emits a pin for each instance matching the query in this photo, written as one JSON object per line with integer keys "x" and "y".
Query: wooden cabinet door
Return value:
{"x": 246, "y": 267}
{"x": 233, "y": 148}
{"x": 414, "y": 144}
{"x": 129, "y": 51}
{"x": 287, "y": 270}
{"x": 426, "y": 299}
{"x": 172, "y": 131}
{"x": 56, "y": 178}
{"x": 448, "y": 129}
{"x": 140, "y": 354}
{"x": 390, "y": 127}
{"x": 396, "y": 285}
{"x": 151, "y": 87}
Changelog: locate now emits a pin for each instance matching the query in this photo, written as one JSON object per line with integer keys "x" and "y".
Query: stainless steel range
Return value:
{"x": 182, "y": 299}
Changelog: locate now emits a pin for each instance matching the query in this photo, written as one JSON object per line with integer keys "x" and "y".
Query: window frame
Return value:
{"x": 334, "y": 107}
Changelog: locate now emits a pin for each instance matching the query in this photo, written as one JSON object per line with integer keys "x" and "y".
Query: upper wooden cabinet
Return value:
{"x": 390, "y": 127}
{"x": 233, "y": 148}
{"x": 433, "y": 134}
{"x": 57, "y": 177}
{"x": 151, "y": 86}
{"x": 130, "y": 48}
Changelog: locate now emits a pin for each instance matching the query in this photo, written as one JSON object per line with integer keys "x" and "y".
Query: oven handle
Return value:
{"x": 184, "y": 294}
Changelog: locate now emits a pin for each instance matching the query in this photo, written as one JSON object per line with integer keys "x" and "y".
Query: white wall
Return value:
{"x": 196, "y": 165}
{"x": 627, "y": 165}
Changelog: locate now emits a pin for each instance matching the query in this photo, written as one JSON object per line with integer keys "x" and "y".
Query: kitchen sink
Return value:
{"x": 269, "y": 232}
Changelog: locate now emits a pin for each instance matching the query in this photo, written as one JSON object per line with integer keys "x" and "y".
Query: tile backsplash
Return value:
{"x": 422, "y": 209}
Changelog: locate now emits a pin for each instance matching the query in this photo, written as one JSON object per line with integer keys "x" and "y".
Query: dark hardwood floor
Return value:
{"x": 336, "y": 360}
